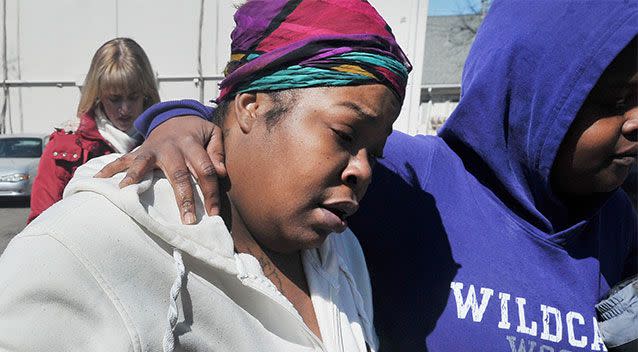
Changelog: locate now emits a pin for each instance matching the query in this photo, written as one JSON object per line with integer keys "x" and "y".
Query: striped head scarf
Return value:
{"x": 280, "y": 44}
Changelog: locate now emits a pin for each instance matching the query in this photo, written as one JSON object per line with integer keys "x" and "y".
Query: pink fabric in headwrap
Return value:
{"x": 305, "y": 32}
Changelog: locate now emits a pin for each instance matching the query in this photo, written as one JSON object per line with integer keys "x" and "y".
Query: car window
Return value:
{"x": 20, "y": 147}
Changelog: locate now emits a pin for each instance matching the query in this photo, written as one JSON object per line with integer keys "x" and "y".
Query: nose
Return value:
{"x": 630, "y": 125}
{"x": 358, "y": 174}
{"x": 125, "y": 107}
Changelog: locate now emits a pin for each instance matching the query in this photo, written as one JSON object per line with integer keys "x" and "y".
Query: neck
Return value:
{"x": 245, "y": 242}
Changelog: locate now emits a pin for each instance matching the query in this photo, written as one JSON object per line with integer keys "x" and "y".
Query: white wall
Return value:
{"x": 53, "y": 41}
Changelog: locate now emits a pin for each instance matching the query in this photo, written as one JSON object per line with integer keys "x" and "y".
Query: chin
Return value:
{"x": 315, "y": 244}
{"x": 297, "y": 239}
{"x": 296, "y": 245}
{"x": 607, "y": 187}
{"x": 612, "y": 181}
{"x": 126, "y": 128}
{"x": 312, "y": 240}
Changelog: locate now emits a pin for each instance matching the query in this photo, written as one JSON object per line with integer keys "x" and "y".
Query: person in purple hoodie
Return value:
{"x": 504, "y": 231}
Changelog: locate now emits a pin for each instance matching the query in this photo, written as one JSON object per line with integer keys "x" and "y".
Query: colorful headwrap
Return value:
{"x": 279, "y": 44}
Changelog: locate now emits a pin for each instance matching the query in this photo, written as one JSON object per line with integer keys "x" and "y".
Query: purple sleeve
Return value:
{"x": 164, "y": 111}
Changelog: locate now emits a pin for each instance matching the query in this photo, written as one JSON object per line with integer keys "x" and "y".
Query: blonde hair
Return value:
{"x": 118, "y": 65}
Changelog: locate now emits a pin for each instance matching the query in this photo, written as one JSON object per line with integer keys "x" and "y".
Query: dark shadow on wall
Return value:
{"x": 409, "y": 259}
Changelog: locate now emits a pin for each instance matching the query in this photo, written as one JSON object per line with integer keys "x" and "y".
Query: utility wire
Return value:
{"x": 19, "y": 70}
{"x": 199, "y": 53}
{"x": 5, "y": 88}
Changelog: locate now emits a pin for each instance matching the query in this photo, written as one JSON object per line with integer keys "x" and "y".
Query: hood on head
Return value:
{"x": 528, "y": 73}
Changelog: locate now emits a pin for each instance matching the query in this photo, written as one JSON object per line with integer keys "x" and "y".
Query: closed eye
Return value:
{"x": 346, "y": 137}
{"x": 115, "y": 99}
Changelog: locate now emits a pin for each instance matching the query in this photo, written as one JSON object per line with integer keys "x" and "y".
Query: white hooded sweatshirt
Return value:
{"x": 109, "y": 269}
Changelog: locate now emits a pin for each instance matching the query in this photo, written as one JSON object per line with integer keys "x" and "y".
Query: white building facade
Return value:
{"x": 47, "y": 48}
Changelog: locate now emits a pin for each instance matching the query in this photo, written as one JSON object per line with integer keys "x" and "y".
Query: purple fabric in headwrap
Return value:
{"x": 275, "y": 34}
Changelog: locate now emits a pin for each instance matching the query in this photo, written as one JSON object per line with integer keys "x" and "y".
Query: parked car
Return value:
{"x": 19, "y": 158}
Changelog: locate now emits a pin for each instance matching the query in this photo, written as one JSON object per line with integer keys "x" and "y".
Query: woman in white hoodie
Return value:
{"x": 309, "y": 98}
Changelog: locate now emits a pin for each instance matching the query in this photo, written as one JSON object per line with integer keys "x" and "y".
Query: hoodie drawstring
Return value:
{"x": 168, "y": 343}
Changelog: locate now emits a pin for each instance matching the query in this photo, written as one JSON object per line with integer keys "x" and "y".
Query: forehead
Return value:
{"x": 120, "y": 82}
{"x": 367, "y": 103}
{"x": 119, "y": 91}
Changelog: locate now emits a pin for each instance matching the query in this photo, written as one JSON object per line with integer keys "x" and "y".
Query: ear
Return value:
{"x": 246, "y": 105}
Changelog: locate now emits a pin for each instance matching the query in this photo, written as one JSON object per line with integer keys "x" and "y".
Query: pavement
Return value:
{"x": 13, "y": 217}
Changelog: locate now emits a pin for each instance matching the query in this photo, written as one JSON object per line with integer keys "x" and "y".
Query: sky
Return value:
{"x": 452, "y": 7}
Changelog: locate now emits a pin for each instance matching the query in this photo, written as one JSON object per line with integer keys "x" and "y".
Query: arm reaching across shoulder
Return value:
{"x": 180, "y": 141}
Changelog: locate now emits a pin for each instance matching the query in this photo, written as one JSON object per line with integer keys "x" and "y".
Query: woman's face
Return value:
{"x": 122, "y": 108}
{"x": 297, "y": 181}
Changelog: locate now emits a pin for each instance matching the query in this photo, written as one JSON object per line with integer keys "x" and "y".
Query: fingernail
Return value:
{"x": 189, "y": 218}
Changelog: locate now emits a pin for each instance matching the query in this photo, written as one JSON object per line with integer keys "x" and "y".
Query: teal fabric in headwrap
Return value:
{"x": 303, "y": 77}
{"x": 350, "y": 68}
{"x": 375, "y": 60}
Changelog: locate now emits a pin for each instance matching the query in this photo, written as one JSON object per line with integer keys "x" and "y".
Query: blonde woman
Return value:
{"x": 119, "y": 86}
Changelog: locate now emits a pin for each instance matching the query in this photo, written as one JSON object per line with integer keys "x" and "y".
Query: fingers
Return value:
{"x": 174, "y": 166}
{"x": 136, "y": 164}
{"x": 201, "y": 166}
{"x": 120, "y": 164}
{"x": 141, "y": 165}
{"x": 215, "y": 151}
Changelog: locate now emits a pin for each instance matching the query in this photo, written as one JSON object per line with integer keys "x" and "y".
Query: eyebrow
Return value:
{"x": 354, "y": 106}
{"x": 362, "y": 114}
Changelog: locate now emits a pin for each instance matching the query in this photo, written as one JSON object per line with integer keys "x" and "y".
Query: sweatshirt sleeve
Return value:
{"x": 161, "y": 112}
{"x": 56, "y": 303}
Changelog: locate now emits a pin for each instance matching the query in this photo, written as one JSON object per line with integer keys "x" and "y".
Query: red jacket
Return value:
{"x": 62, "y": 155}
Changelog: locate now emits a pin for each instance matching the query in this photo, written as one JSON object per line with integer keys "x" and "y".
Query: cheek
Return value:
{"x": 304, "y": 165}
{"x": 278, "y": 189}
{"x": 592, "y": 159}
{"x": 597, "y": 144}
{"x": 316, "y": 158}
{"x": 110, "y": 109}
{"x": 138, "y": 108}
{"x": 298, "y": 170}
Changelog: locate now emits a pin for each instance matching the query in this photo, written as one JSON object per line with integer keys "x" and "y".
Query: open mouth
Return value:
{"x": 336, "y": 213}
{"x": 340, "y": 213}
{"x": 343, "y": 209}
{"x": 625, "y": 160}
